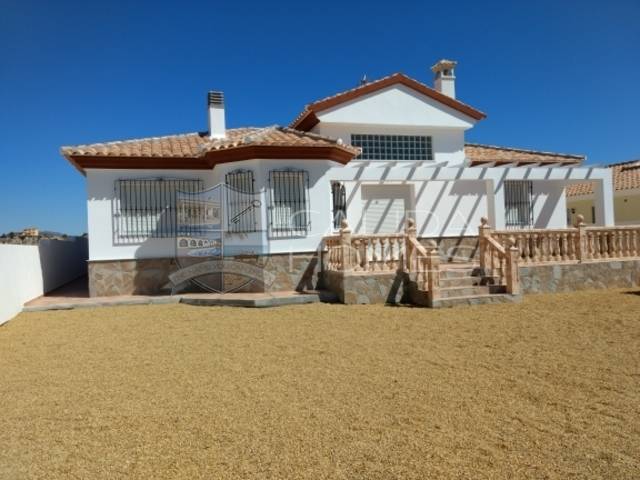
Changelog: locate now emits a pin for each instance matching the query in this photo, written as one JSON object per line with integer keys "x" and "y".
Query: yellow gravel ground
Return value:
{"x": 546, "y": 389}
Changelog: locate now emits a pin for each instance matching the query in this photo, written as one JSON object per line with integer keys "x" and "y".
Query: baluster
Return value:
{"x": 620, "y": 244}
{"x": 357, "y": 243}
{"x": 384, "y": 253}
{"x": 425, "y": 273}
{"x": 392, "y": 253}
{"x": 374, "y": 254}
{"x": 634, "y": 243}
{"x": 365, "y": 256}
{"x": 526, "y": 249}
{"x": 493, "y": 261}
{"x": 573, "y": 253}
{"x": 604, "y": 238}
{"x": 612, "y": 240}
{"x": 501, "y": 263}
{"x": 548, "y": 247}
{"x": 534, "y": 246}
{"x": 582, "y": 250}
{"x": 333, "y": 257}
{"x": 565, "y": 247}
{"x": 625, "y": 243}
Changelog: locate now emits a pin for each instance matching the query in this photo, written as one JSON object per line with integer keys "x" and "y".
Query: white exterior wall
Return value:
{"x": 101, "y": 191}
{"x": 443, "y": 201}
{"x": 447, "y": 143}
{"x": 100, "y": 209}
{"x": 445, "y": 197}
{"x": 29, "y": 271}
{"x": 20, "y": 278}
{"x": 451, "y": 201}
{"x": 398, "y": 106}
{"x": 398, "y": 110}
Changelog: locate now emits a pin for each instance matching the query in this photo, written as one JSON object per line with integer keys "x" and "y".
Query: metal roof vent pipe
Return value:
{"x": 215, "y": 102}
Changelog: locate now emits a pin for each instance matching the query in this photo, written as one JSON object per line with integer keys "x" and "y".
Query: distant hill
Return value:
{"x": 32, "y": 236}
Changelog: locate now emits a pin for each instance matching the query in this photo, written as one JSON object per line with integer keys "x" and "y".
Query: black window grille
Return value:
{"x": 518, "y": 203}
{"x": 146, "y": 208}
{"x": 339, "y": 203}
{"x": 289, "y": 202}
{"x": 241, "y": 201}
{"x": 393, "y": 147}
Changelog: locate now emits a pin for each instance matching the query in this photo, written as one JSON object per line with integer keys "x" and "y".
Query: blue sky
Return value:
{"x": 551, "y": 75}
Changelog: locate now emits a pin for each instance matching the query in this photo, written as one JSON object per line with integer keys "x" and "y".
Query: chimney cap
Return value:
{"x": 215, "y": 98}
{"x": 443, "y": 64}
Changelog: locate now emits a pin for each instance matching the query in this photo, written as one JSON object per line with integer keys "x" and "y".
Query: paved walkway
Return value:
{"x": 76, "y": 295}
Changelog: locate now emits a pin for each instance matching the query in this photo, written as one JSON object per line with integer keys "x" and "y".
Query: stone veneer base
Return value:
{"x": 580, "y": 276}
{"x": 285, "y": 272}
{"x": 362, "y": 288}
{"x": 300, "y": 272}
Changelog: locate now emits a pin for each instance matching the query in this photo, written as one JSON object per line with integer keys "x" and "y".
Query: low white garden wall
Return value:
{"x": 28, "y": 271}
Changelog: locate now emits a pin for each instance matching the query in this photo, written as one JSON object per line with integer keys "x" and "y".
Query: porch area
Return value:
{"x": 400, "y": 268}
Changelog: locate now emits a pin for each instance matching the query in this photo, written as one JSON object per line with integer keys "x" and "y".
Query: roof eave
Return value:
{"x": 306, "y": 120}
{"x": 209, "y": 160}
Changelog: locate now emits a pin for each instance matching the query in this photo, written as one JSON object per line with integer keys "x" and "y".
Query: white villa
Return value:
{"x": 367, "y": 159}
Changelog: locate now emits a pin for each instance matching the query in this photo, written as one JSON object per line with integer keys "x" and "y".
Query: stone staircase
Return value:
{"x": 463, "y": 284}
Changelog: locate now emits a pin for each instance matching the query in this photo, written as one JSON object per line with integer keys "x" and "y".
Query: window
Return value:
{"x": 241, "y": 201}
{"x": 146, "y": 208}
{"x": 339, "y": 203}
{"x": 393, "y": 147}
{"x": 593, "y": 214}
{"x": 518, "y": 202}
{"x": 289, "y": 208}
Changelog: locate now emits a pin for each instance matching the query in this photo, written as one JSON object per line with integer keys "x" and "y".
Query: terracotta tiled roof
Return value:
{"x": 479, "y": 154}
{"x": 197, "y": 144}
{"x": 626, "y": 176}
{"x": 307, "y": 118}
{"x": 198, "y": 151}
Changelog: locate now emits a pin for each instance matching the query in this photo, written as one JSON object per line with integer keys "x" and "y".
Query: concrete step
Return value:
{"x": 476, "y": 300}
{"x": 255, "y": 300}
{"x": 470, "y": 291}
{"x": 467, "y": 281}
{"x": 460, "y": 272}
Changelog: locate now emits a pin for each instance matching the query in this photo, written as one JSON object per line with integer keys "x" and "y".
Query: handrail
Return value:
{"x": 499, "y": 260}
{"x": 423, "y": 263}
{"x": 496, "y": 245}
{"x": 384, "y": 253}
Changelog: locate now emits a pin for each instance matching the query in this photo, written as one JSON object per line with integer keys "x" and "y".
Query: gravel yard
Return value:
{"x": 549, "y": 388}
